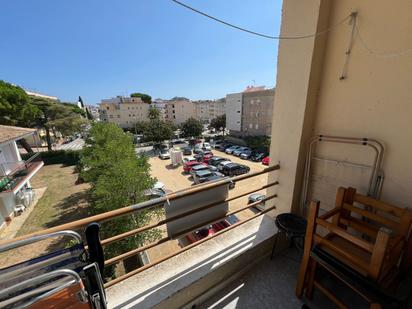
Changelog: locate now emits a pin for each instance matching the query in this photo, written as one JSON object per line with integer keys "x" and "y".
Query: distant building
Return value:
{"x": 206, "y": 110}
{"x": 123, "y": 111}
{"x": 160, "y": 105}
{"x": 179, "y": 111}
{"x": 249, "y": 113}
{"x": 41, "y": 95}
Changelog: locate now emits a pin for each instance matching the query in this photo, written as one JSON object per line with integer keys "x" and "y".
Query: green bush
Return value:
{"x": 66, "y": 157}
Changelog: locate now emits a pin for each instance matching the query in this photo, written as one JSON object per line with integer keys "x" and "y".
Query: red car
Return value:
{"x": 187, "y": 167}
{"x": 204, "y": 158}
{"x": 265, "y": 161}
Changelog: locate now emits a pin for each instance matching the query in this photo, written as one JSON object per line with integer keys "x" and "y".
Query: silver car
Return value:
{"x": 255, "y": 197}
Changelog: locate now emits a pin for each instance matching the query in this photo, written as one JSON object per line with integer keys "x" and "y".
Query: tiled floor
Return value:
{"x": 271, "y": 284}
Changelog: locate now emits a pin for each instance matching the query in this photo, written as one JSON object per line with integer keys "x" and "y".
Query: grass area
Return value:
{"x": 62, "y": 202}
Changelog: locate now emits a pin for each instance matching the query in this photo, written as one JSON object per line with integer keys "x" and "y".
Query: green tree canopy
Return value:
{"x": 155, "y": 130}
{"x": 218, "y": 122}
{"x": 118, "y": 179}
{"x": 15, "y": 106}
{"x": 154, "y": 113}
{"x": 192, "y": 128}
{"x": 145, "y": 97}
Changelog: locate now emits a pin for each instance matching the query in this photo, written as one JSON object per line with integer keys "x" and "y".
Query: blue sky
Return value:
{"x": 103, "y": 48}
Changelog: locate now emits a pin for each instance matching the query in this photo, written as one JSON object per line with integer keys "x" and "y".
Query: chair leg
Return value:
{"x": 311, "y": 279}
{"x": 310, "y": 229}
{"x": 274, "y": 245}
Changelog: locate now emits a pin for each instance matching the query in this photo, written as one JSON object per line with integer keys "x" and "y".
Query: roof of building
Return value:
{"x": 9, "y": 133}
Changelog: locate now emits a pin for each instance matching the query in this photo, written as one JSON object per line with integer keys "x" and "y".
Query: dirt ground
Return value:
{"x": 174, "y": 179}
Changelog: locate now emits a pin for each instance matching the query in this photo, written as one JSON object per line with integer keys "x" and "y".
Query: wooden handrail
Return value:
{"x": 182, "y": 215}
{"x": 142, "y": 206}
{"x": 158, "y": 261}
{"x": 127, "y": 254}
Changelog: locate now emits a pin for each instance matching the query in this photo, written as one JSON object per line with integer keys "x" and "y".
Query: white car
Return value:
{"x": 164, "y": 154}
{"x": 206, "y": 146}
{"x": 222, "y": 164}
{"x": 189, "y": 159}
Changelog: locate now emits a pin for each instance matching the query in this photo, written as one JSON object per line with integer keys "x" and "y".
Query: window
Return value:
{"x": 118, "y": 116}
{"x": 111, "y": 116}
{"x": 238, "y": 112}
{"x": 256, "y": 126}
{"x": 107, "y": 108}
{"x": 130, "y": 115}
{"x": 173, "y": 106}
{"x": 174, "y": 117}
{"x": 258, "y": 101}
{"x": 250, "y": 126}
{"x": 251, "y": 102}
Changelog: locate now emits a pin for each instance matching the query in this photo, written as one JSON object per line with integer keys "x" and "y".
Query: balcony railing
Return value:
{"x": 161, "y": 202}
{"x": 12, "y": 172}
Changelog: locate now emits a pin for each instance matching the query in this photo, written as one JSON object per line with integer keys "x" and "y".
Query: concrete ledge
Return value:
{"x": 189, "y": 278}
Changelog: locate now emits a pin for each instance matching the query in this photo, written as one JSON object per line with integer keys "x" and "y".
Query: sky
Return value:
{"x": 103, "y": 48}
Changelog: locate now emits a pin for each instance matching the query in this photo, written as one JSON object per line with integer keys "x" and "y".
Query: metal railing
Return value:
{"x": 161, "y": 201}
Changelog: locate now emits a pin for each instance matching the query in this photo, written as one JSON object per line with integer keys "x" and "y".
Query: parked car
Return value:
{"x": 201, "y": 176}
{"x": 206, "y": 146}
{"x": 187, "y": 167}
{"x": 222, "y": 164}
{"x": 246, "y": 154}
{"x": 188, "y": 159}
{"x": 255, "y": 197}
{"x": 164, "y": 154}
{"x": 198, "y": 150}
{"x": 258, "y": 156}
{"x": 223, "y": 146}
{"x": 218, "y": 176}
{"x": 234, "y": 169}
{"x": 216, "y": 160}
{"x": 218, "y": 143}
{"x": 202, "y": 166}
{"x": 239, "y": 151}
{"x": 187, "y": 151}
{"x": 231, "y": 149}
{"x": 265, "y": 160}
{"x": 210, "y": 230}
{"x": 204, "y": 157}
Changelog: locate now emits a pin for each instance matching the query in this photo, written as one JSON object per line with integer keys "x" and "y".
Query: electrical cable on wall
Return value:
{"x": 376, "y": 53}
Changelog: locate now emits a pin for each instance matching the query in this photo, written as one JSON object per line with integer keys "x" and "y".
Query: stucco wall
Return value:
{"x": 234, "y": 112}
{"x": 375, "y": 100}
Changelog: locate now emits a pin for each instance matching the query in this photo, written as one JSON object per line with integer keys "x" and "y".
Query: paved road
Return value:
{"x": 77, "y": 144}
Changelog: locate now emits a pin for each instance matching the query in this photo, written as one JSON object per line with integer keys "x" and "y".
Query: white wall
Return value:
{"x": 234, "y": 112}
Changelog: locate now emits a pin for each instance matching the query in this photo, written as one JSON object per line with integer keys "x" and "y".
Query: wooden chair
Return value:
{"x": 363, "y": 242}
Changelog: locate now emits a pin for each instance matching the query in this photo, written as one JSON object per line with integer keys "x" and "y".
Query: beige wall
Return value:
{"x": 372, "y": 101}
{"x": 124, "y": 113}
{"x": 257, "y": 112}
{"x": 375, "y": 99}
{"x": 179, "y": 111}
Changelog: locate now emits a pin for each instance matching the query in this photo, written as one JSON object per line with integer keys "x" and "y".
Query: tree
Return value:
{"x": 145, "y": 97}
{"x": 63, "y": 117}
{"x": 218, "y": 122}
{"x": 192, "y": 128}
{"x": 154, "y": 130}
{"x": 15, "y": 106}
{"x": 118, "y": 179}
{"x": 154, "y": 113}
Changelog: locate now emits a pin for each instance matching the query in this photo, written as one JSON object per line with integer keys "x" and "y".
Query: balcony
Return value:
{"x": 13, "y": 175}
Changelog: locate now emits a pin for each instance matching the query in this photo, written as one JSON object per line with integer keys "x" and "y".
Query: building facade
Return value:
{"x": 257, "y": 111}
{"x": 234, "y": 113}
{"x": 160, "y": 105}
{"x": 123, "y": 111}
{"x": 249, "y": 113}
{"x": 206, "y": 110}
{"x": 179, "y": 111}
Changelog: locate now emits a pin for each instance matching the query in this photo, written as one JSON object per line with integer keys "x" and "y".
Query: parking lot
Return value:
{"x": 174, "y": 179}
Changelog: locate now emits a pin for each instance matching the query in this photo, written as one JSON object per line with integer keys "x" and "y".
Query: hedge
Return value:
{"x": 66, "y": 157}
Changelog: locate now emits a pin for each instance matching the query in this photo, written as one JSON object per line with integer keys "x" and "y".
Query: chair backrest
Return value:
{"x": 375, "y": 233}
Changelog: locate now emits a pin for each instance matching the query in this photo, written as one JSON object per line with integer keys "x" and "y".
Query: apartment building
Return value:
{"x": 123, "y": 111}
{"x": 249, "y": 113}
{"x": 160, "y": 105}
{"x": 179, "y": 111}
{"x": 206, "y": 110}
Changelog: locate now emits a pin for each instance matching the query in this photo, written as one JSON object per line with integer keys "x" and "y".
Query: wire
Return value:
{"x": 379, "y": 54}
{"x": 262, "y": 34}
